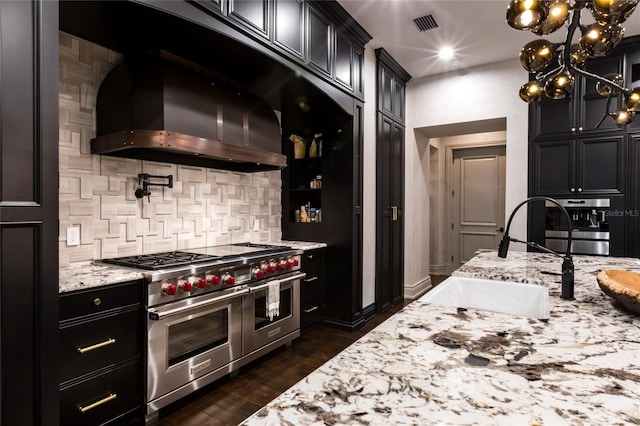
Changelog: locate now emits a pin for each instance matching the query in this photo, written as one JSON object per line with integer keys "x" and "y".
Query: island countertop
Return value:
{"x": 582, "y": 366}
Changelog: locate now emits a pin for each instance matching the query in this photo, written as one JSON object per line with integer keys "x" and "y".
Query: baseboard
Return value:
{"x": 437, "y": 269}
{"x": 416, "y": 290}
{"x": 369, "y": 312}
{"x": 345, "y": 325}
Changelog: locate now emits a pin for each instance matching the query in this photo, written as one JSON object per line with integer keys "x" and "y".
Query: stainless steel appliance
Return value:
{"x": 207, "y": 313}
{"x": 591, "y": 228}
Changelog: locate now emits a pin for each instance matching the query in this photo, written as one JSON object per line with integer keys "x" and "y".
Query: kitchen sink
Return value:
{"x": 527, "y": 300}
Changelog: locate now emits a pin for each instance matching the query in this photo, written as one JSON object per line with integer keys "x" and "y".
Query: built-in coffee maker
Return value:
{"x": 591, "y": 226}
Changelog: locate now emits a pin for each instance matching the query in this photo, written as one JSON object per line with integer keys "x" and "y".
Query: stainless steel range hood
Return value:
{"x": 162, "y": 108}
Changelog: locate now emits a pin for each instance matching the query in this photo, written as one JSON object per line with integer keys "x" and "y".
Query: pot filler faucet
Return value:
{"x": 567, "y": 262}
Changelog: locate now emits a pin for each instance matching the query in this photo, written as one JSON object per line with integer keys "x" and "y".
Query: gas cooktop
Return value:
{"x": 173, "y": 259}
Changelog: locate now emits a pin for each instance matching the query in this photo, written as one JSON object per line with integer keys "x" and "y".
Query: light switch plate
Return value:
{"x": 73, "y": 236}
{"x": 256, "y": 225}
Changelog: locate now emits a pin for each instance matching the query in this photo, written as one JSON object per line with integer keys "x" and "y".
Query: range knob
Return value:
{"x": 170, "y": 290}
{"x": 272, "y": 266}
{"x": 228, "y": 279}
{"x": 213, "y": 279}
{"x": 201, "y": 283}
{"x": 288, "y": 264}
{"x": 279, "y": 265}
{"x": 257, "y": 273}
{"x": 295, "y": 262}
{"x": 185, "y": 286}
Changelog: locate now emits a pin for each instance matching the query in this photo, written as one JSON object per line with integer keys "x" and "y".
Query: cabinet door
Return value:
{"x": 632, "y": 80}
{"x": 289, "y": 26}
{"x": 553, "y": 167}
{"x": 319, "y": 41}
{"x": 600, "y": 167}
{"x": 593, "y": 106}
{"x": 29, "y": 213}
{"x": 554, "y": 117}
{"x": 251, "y": 14}
{"x": 344, "y": 62}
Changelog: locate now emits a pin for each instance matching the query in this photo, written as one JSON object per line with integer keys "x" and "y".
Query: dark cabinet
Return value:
{"x": 312, "y": 288}
{"x": 576, "y": 167}
{"x": 289, "y": 26}
{"x": 251, "y": 14}
{"x": 391, "y": 94}
{"x": 29, "y": 212}
{"x": 101, "y": 349}
{"x": 319, "y": 41}
{"x": 632, "y": 208}
{"x": 580, "y": 113}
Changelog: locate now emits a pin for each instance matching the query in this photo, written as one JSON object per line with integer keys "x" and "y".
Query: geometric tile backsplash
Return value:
{"x": 205, "y": 206}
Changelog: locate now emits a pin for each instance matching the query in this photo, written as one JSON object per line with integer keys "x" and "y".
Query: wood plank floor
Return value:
{"x": 229, "y": 401}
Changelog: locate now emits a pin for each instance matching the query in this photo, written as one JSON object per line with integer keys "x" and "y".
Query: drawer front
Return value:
{"x": 89, "y": 345}
{"x": 104, "y": 397}
{"x": 312, "y": 257}
{"x": 96, "y": 300}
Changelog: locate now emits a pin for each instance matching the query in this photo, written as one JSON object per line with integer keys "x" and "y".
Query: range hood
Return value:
{"x": 162, "y": 108}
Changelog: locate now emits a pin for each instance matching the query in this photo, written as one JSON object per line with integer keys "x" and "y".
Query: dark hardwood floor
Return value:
{"x": 230, "y": 400}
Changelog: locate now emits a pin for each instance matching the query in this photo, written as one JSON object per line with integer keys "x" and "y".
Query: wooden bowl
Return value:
{"x": 622, "y": 286}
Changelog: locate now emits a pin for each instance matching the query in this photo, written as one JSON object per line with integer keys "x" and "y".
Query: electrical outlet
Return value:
{"x": 256, "y": 225}
{"x": 73, "y": 236}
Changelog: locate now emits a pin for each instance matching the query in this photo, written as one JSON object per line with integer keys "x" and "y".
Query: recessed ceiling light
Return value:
{"x": 445, "y": 53}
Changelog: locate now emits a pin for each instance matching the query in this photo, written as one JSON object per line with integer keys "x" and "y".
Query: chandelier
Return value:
{"x": 555, "y": 65}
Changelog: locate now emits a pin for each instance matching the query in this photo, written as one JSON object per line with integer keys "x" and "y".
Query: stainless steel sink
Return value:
{"x": 527, "y": 300}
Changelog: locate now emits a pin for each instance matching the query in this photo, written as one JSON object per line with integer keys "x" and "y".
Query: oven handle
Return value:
{"x": 292, "y": 278}
{"x": 154, "y": 315}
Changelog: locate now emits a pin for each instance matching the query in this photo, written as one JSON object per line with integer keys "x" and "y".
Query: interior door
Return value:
{"x": 389, "y": 196}
{"x": 478, "y": 190}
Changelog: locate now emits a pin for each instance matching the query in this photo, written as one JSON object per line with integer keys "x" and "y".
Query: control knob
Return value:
{"x": 185, "y": 286}
{"x": 201, "y": 283}
{"x": 272, "y": 266}
{"x": 280, "y": 265}
{"x": 288, "y": 264}
{"x": 257, "y": 273}
{"x": 213, "y": 279}
{"x": 295, "y": 262}
{"x": 170, "y": 290}
{"x": 228, "y": 279}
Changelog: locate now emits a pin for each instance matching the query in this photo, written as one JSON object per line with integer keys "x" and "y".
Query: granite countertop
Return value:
{"x": 303, "y": 245}
{"x": 582, "y": 366}
{"x": 84, "y": 275}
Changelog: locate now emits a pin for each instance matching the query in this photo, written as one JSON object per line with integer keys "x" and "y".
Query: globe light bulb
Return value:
{"x": 632, "y": 100}
{"x": 556, "y": 17}
{"x": 526, "y": 14}
{"x": 536, "y": 55}
{"x": 530, "y": 91}
{"x": 623, "y": 117}
{"x": 612, "y": 11}
{"x": 559, "y": 85}
{"x": 599, "y": 40}
{"x": 606, "y": 90}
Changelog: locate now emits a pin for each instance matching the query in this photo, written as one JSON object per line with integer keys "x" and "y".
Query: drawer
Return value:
{"x": 312, "y": 257}
{"x": 99, "y": 341}
{"x": 96, "y": 300}
{"x": 104, "y": 397}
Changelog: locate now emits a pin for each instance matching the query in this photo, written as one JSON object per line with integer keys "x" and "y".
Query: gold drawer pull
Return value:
{"x": 311, "y": 279}
{"x": 111, "y": 397}
{"x": 97, "y": 301}
{"x": 311, "y": 309}
{"x": 97, "y": 345}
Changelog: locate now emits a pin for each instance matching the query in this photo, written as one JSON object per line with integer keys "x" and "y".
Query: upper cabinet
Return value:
{"x": 391, "y": 88}
{"x": 582, "y": 112}
{"x": 318, "y": 35}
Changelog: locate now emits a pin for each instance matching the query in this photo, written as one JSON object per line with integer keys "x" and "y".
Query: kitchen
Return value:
{"x": 108, "y": 183}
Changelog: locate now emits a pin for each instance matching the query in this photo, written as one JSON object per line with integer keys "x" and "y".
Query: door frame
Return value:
{"x": 448, "y": 204}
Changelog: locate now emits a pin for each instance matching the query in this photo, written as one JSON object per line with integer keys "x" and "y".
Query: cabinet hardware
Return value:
{"x": 311, "y": 309}
{"x": 97, "y": 346}
{"x": 309, "y": 256}
{"x": 394, "y": 213}
{"x": 97, "y": 301}
{"x": 579, "y": 189}
{"x": 311, "y": 279}
{"x": 111, "y": 397}
{"x": 573, "y": 190}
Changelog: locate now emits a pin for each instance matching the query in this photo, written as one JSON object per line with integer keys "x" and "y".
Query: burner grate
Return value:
{"x": 158, "y": 261}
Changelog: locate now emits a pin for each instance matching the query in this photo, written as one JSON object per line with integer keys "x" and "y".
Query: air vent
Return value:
{"x": 425, "y": 23}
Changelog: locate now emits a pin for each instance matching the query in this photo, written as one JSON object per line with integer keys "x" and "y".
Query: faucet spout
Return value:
{"x": 567, "y": 262}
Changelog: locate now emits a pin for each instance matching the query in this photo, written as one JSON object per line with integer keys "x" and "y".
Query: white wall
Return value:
{"x": 480, "y": 93}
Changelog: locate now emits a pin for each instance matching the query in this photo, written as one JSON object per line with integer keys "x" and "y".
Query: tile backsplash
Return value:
{"x": 205, "y": 206}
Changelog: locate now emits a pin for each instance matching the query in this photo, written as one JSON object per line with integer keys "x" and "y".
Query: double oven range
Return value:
{"x": 208, "y": 313}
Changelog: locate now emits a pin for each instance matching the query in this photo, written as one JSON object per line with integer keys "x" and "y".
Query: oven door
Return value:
{"x": 258, "y": 328}
{"x": 190, "y": 338}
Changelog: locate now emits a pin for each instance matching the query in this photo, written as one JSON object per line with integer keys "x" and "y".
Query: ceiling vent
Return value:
{"x": 425, "y": 23}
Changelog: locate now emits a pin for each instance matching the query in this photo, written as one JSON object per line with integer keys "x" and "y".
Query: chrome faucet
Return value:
{"x": 567, "y": 262}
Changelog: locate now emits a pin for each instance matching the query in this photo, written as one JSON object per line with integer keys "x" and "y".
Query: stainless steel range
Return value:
{"x": 210, "y": 311}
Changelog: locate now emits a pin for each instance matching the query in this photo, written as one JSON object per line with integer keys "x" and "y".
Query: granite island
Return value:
{"x": 581, "y": 366}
